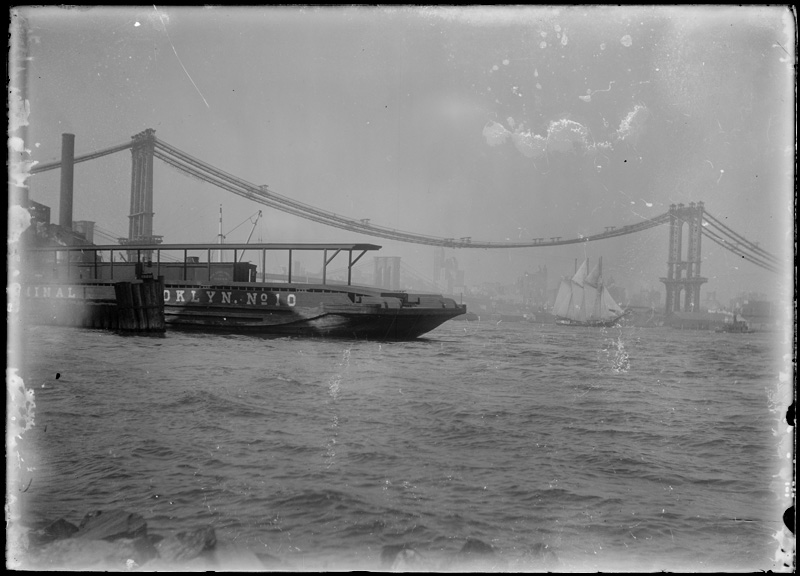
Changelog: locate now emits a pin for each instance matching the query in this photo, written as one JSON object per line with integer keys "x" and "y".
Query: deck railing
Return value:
{"x": 121, "y": 262}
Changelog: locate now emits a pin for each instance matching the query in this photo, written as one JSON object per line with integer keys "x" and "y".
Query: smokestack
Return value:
{"x": 67, "y": 171}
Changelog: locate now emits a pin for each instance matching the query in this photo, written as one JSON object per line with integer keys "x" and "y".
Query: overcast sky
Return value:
{"x": 485, "y": 122}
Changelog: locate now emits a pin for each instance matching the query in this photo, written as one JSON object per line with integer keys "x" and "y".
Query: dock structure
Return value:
{"x": 135, "y": 306}
{"x": 122, "y": 287}
{"x": 220, "y": 296}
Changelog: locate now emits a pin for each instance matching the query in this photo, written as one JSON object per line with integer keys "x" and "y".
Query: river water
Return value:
{"x": 619, "y": 449}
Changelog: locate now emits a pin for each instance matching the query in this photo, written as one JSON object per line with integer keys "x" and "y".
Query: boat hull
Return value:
{"x": 395, "y": 325}
{"x": 728, "y": 329}
{"x": 271, "y": 309}
{"x": 589, "y": 323}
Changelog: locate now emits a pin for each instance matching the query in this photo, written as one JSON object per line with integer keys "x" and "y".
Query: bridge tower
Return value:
{"x": 683, "y": 275}
{"x": 387, "y": 272}
{"x": 140, "y": 227}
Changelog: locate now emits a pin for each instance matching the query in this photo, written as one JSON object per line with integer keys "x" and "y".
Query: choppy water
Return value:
{"x": 623, "y": 448}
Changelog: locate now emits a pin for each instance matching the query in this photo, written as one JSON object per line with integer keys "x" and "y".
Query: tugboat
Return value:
{"x": 737, "y": 326}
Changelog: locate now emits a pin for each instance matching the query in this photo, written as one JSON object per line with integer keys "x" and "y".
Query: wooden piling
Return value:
{"x": 153, "y": 301}
{"x": 139, "y": 317}
{"x": 127, "y": 317}
{"x": 140, "y": 305}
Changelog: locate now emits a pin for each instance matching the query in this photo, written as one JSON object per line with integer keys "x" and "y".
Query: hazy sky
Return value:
{"x": 485, "y": 122}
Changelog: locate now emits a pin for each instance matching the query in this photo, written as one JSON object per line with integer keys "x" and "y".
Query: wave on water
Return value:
{"x": 643, "y": 448}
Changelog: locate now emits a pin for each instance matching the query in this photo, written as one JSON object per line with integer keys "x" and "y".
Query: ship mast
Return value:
{"x": 600, "y": 270}
{"x": 220, "y": 237}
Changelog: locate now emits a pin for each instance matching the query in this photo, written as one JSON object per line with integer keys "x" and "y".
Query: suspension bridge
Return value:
{"x": 683, "y": 267}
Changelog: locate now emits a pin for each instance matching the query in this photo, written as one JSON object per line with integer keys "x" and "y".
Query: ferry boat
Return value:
{"x": 234, "y": 297}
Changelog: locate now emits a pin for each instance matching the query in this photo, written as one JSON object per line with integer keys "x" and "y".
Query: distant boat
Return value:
{"x": 583, "y": 300}
{"x": 737, "y": 326}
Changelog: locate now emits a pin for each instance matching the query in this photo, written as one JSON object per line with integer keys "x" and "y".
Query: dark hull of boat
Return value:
{"x": 589, "y": 324}
{"x": 307, "y": 310}
{"x": 733, "y": 330}
{"x": 269, "y": 309}
{"x": 388, "y": 325}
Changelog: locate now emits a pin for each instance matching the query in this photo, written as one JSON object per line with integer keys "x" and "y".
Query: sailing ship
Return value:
{"x": 583, "y": 300}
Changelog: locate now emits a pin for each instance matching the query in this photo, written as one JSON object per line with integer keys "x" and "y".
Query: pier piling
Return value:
{"x": 140, "y": 305}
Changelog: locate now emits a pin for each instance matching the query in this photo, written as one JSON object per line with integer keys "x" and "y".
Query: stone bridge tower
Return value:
{"x": 683, "y": 271}
{"x": 140, "y": 227}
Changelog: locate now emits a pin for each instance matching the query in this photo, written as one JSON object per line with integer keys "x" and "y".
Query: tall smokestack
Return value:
{"x": 67, "y": 171}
